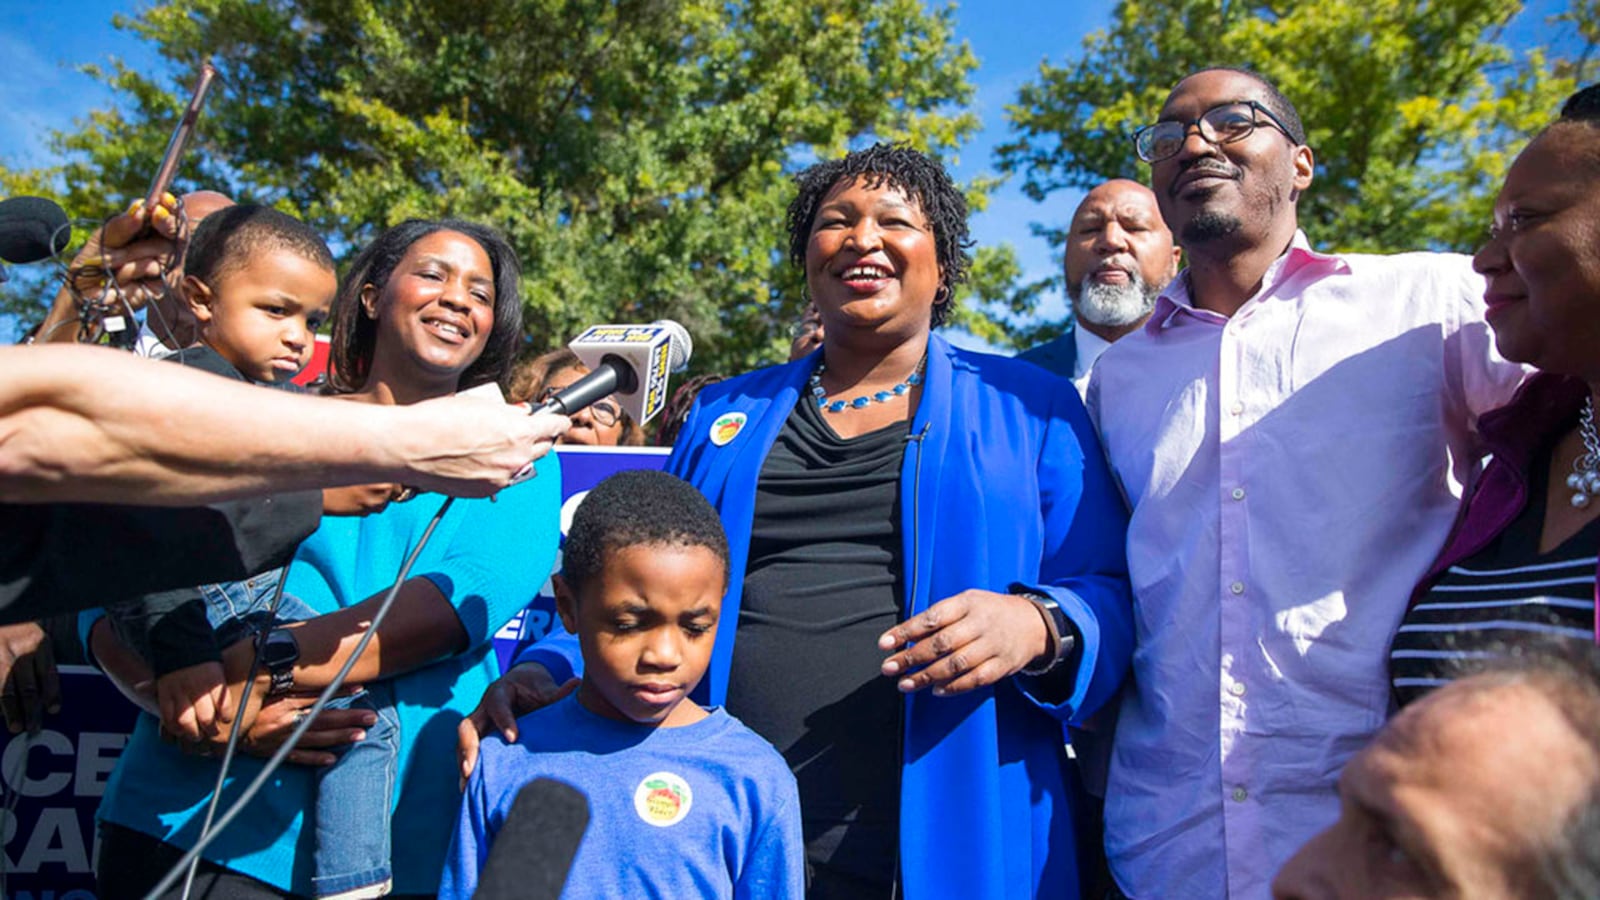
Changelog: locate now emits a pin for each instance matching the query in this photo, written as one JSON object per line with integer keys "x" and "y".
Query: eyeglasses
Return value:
{"x": 1224, "y": 124}
{"x": 606, "y": 413}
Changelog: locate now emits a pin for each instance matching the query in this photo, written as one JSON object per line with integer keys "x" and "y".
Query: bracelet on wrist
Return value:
{"x": 1059, "y": 631}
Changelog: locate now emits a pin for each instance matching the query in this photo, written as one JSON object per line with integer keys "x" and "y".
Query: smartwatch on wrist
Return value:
{"x": 1063, "y": 636}
{"x": 279, "y": 652}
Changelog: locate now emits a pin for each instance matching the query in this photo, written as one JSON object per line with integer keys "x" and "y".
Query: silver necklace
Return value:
{"x": 1585, "y": 478}
{"x": 836, "y": 406}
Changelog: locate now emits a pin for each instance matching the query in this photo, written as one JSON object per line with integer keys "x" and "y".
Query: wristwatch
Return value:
{"x": 279, "y": 652}
{"x": 1063, "y": 634}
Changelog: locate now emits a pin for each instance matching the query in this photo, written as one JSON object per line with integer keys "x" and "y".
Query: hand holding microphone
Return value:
{"x": 472, "y": 445}
{"x": 630, "y": 362}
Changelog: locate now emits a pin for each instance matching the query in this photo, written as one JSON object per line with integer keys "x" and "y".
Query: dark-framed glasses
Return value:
{"x": 1222, "y": 124}
{"x": 605, "y": 411}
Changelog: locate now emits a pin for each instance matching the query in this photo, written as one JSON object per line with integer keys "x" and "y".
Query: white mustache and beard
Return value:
{"x": 1113, "y": 305}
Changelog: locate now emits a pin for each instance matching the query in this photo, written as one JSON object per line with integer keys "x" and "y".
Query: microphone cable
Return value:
{"x": 238, "y": 720}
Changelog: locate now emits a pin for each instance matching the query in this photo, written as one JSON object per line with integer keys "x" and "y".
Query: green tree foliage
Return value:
{"x": 637, "y": 152}
{"x": 1414, "y": 108}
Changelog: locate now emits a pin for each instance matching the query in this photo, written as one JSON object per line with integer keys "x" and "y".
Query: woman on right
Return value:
{"x": 927, "y": 574}
{"x": 1521, "y": 560}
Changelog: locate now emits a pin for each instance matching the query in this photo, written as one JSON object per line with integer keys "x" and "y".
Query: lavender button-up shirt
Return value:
{"x": 1292, "y": 471}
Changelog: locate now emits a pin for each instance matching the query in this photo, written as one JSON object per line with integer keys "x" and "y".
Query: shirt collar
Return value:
{"x": 1089, "y": 346}
{"x": 1175, "y": 298}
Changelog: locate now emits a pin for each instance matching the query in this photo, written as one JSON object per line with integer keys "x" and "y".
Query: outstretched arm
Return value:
{"x": 85, "y": 424}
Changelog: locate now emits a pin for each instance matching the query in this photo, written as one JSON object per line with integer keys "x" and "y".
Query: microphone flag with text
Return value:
{"x": 630, "y": 361}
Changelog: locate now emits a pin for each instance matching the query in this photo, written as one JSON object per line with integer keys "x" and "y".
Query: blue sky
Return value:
{"x": 41, "y": 44}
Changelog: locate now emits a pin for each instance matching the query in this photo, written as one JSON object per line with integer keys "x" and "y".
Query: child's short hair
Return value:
{"x": 225, "y": 238}
{"x": 634, "y": 507}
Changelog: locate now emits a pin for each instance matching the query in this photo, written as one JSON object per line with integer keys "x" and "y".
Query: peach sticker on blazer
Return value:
{"x": 727, "y": 427}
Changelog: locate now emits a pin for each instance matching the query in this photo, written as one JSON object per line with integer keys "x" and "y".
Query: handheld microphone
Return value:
{"x": 32, "y": 229}
{"x": 534, "y": 850}
{"x": 631, "y": 361}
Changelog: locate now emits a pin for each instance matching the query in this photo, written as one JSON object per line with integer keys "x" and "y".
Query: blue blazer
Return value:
{"x": 1003, "y": 485}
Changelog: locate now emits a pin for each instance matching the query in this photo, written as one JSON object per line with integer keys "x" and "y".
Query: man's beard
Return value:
{"x": 1114, "y": 305}
{"x": 1209, "y": 226}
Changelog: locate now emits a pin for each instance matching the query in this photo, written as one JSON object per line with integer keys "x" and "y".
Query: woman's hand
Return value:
{"x": 135, "y": 249}
{"x": 968, "y": 641}
{"x": 332, "y": 728}
{"x": 522, "y": 690}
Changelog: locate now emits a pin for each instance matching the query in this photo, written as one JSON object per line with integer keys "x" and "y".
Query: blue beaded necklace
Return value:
{"x": 835, "y": 406}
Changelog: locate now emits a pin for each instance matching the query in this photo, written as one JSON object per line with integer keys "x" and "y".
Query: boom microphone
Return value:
{"x": 32, "y": 229}
{"x": 534, "y": 850}
{"x": 631, "y": 361}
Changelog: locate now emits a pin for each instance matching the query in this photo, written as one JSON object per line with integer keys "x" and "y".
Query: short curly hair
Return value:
{"x": 638, "y": 507}
{"x": 919, "y": 177}
{"x": 228, "y": 238}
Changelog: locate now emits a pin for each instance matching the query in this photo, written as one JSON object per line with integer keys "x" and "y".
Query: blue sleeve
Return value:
{"x": 557, "y": 651}
{"x": 469, "y": 848}
{"x": 500, "y": 557}
{"x": 776, "y": 863}
{"x": 1084, "y": 565}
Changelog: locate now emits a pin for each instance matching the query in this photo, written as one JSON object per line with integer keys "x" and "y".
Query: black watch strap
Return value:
{"x": 1063, "y": 636}
{"x": 279, "y": 653}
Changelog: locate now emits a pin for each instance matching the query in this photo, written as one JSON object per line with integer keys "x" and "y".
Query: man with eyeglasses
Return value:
{"x": 1292, "y": 429}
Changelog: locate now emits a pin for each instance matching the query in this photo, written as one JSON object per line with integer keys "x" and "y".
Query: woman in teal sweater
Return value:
{"x": 429, "y": 309}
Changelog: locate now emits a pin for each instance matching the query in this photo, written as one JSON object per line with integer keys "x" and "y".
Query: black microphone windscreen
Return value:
{"x": 612, "y": 375}
{"x": 534, "y": 850}
{"x": 32, "y": 229}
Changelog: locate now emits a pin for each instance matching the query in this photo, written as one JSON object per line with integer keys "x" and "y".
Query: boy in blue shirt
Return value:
{"x": 684, "y": 801}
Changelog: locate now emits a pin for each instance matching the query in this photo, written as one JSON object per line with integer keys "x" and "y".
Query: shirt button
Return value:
{"x": 1237, "y": 408}
{"x": 1240, "y": 794}
{"x": 1236, "y": 689}
{"x": 1237, "y": 587}
{"x": 1238, "y": 493}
